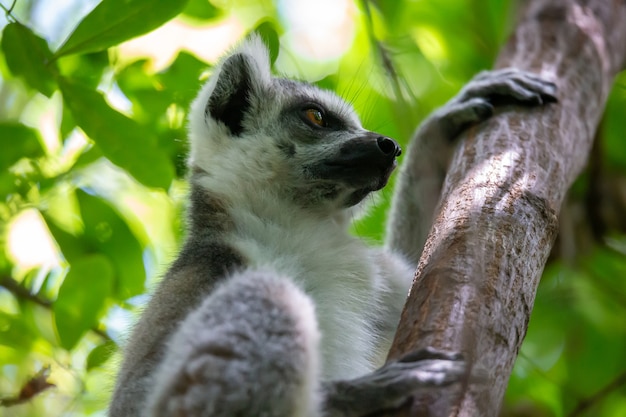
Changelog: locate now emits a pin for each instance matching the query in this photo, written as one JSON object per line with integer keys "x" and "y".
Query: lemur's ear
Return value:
{"x": 241, "y": 75}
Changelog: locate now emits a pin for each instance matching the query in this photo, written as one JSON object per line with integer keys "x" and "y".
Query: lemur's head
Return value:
{"x": 253, "y": 134}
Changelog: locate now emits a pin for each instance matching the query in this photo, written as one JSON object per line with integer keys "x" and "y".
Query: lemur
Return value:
{"x": 272, "y": 308}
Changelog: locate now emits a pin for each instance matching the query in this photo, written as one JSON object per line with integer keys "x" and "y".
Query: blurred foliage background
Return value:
{"x": 93, "y": 105}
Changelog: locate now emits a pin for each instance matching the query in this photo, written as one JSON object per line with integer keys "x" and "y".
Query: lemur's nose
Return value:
{"x": 388, "y": 146}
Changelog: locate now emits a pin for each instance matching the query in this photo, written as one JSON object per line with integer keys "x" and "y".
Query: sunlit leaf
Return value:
{"x": 88, "y": 68}
{"x": 7, "y": 185}
{"x": 155, "y": 96}
{"x": 16, "y": 332}
{"x": 100, "y": 354}
{"x": 90, "y": 155}
{"x": 67, "y": 123}
{"x": 114, "y": 21}
{"x": 121, "y": 139}
{"x": 73, "y": 247}
{"x": 104, "y": 232}
{"x": 150, "y": 101}
{"x": 108, "y": 233}
{"x": 17, "y": 141}
{"x": 174, "y": 142}
{"x": 81, "y": 297}
{"x": 201, "y": 10}
{"x": 28, "y": 56}
{"x": 182, "y": 78}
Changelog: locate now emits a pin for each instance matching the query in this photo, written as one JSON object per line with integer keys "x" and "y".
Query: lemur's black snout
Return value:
{"x": 364, "y": 162}
{"x": 369, "y": 151}
{"x": 388, "y": 146}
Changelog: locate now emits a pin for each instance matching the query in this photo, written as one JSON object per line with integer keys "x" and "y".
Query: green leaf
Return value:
{"x": 182, "y": 78}
{"x": 153, "y": 95}
{"x": 16, "y": 332}
{"x": 17, "y": 141}
{"x": 28, "y": 56}
{"x": 73, "y": 247}
{"x": 108, "y": 233}
{"x": 123, "y": 141}
{"x": 81, "y": 298}
{"x": 7, "y": 185}
{"x": 173, "y": 142}
{"x": 67, "y": 123}
{"x": 149, "y": 103}
{"x": 104, "y": 233}
{"x": 114, "y": 21}
{"x": 201, "y": 10}
{"x": 89, "y": 156}
{"x": 100, "y": 354}
{"x": 86, "y": 68}
{"x": 268, "y": 33}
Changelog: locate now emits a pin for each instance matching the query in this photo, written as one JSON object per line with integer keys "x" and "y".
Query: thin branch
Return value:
{"x": 23, "y": 293}
{"x": 596, "y": 398}
{"x": 386, "y": 62}
{"x": 382, "y": 51}
{"x": 101, "y": 333}
{"x": 33, "y": 387}
{"x": 8, "y": 12}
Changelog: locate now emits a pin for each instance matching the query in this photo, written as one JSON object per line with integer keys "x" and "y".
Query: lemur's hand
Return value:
{"x": 392, "y": 385}
{"x": 426, "y": 161}
{"x": 490, "y": 89}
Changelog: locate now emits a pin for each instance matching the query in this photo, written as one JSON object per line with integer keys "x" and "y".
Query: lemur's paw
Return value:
{"x": 430, "y": 368}
{"x": 512, "y": 86}
{"x": 416, "y": 371}
{"x": 489, "y": 89}
{"x": 457, "y": 115}
{"x": 394, "y": 384}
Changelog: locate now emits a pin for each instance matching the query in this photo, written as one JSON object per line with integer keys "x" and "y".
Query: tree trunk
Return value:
{"x": 477, "y": 278}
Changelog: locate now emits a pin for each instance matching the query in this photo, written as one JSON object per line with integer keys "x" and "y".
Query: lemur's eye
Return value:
{"x": 315, "y": 116}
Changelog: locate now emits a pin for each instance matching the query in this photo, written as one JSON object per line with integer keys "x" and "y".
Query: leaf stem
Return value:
{"x": 8, "y": 11}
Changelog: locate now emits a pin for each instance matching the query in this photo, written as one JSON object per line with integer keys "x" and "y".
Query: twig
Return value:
{"x": 21, "y": 292}
{"x": 34, "y": 386}
{"x": 8, "y": 11}
{"x": 585, "y": 404}
{"x": 402, "y": 107}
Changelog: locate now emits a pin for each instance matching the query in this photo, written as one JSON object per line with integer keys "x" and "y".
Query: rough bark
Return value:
{"x": 477, "y": 278}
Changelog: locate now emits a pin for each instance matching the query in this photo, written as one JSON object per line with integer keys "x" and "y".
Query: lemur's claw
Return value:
{"x": 430, "y": 353}
{"x": 491, "y": 89}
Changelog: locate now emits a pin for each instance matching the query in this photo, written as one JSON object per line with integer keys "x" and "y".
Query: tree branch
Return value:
{"x": 33, "y": 387}
{"x": 23, "y": 293}
{"x": 477, "y": 278}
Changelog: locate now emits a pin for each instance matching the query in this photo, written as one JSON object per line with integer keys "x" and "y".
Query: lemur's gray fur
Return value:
{"x": 272, "y": 308}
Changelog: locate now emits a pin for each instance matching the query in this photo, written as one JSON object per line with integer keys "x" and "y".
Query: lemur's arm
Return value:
{"x": 391, "y": 386}
{"x": 426, "y": 162}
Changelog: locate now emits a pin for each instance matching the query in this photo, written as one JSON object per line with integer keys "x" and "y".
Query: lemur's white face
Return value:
{"x": 254, "y": 134}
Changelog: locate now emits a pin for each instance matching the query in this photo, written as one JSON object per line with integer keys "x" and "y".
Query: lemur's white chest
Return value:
{"x": 331, "y": 267}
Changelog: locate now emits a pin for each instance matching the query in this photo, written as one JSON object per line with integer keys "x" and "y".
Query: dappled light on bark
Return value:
{"x": 476, "y": 282}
